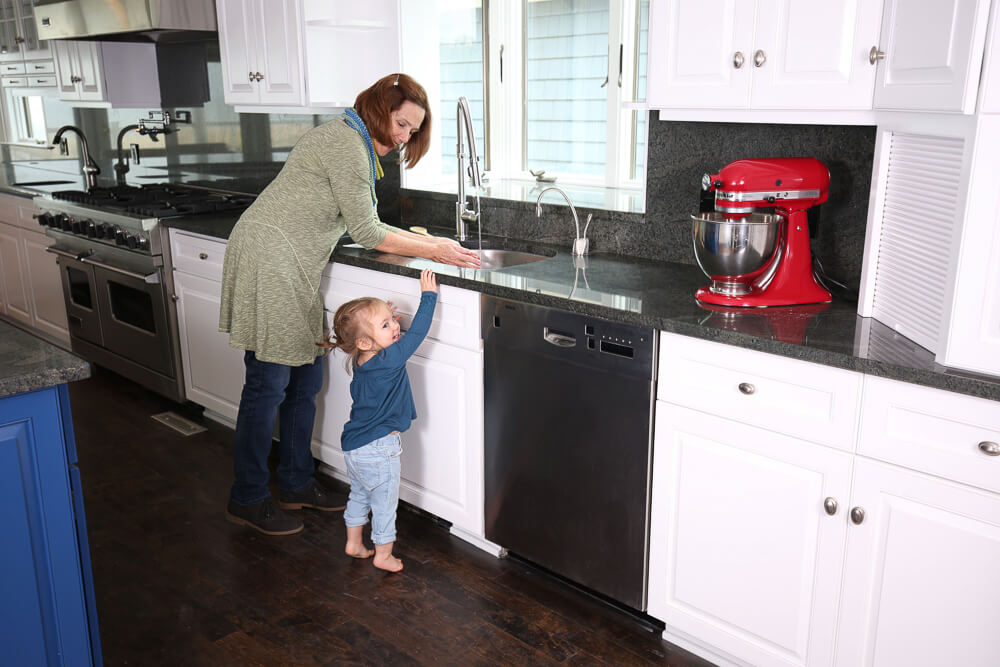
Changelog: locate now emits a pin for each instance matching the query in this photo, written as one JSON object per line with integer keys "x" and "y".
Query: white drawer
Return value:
{"x": 11, "y": 68}
{"x": 197, "y": 254}
{"x": 931, "y": 430}
{"x": 799, "y": 398}
{"x": 14, "y": 81}
{"x": 456, "y": 317}
{"x": 40, "y": 67}
{"x": 35, "y": 81}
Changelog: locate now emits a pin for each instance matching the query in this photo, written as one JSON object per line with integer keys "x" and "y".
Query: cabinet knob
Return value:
{"x": 19, "y": 39}
{"x": 174, "y": 298}
{"x": 759, "y": 58}
{"x": 747, "y": 388}
{"x": 202, "y": 255}
{"x": 830, "y": 505}
{"x": 857, "y": 515}
{"x": 251, "y": 76}
{"x": 258, "y": 77}
{"x": 738, "y": 60}
{"x": 989, "y": 448}
{"x": 75, "y": 79}
{"x": 875, "y": 55}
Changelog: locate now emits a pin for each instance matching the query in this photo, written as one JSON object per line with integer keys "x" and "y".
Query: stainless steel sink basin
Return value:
{"x": 501, "y": 259}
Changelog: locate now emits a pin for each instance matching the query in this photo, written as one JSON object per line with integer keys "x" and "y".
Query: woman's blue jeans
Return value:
{"x": 273, "y": 391}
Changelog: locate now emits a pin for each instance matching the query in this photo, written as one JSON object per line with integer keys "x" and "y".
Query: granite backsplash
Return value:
{"x": 679, "y": 154}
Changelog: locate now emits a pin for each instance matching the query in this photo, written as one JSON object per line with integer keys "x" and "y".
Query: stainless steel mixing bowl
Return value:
{"x": 731, "y": 251}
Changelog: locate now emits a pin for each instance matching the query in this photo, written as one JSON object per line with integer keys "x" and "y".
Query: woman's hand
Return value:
{"x": 448, "y": 251}
{"x": 428, "y": 281}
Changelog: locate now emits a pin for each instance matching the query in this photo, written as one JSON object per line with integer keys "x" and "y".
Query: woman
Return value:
{"x": 271, "y": 305}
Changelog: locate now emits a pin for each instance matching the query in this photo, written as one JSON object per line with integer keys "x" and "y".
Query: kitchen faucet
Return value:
{"x": 121, "y": 167}
{"x": 462, "y": 213}
{"x": 90, "y": 169}
{"x": 581, "y": 245}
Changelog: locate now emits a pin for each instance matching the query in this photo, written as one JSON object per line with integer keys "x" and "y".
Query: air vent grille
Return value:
{"x": 918, "y": 223}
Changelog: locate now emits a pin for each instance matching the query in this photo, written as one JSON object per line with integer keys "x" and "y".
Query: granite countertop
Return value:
{"x": 28, "y": 362}
{"x": 660, "y": 295}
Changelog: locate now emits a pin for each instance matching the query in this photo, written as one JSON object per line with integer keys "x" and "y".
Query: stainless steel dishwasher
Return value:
{"x": 568, "y": 443}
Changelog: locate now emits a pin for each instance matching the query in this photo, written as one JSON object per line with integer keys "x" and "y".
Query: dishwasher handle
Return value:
{"x": 557, "y": 338}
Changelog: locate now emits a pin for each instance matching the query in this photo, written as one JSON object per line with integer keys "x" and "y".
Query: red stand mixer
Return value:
{"x": 759, "y": 259}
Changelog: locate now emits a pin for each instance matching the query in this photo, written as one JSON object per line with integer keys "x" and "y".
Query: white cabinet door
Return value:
{"x": 66, "y": 76}
{"x": 80, "y": 77}
{"x": 743, "y": 557}
{"x": 15, "y": 284}
{"x": 261, "y": 51}
{"x": 443, "y": 450}
{"x": 238, "y": 45}
{"x": 213, "y": 371}
{"x": 48, "y": 306}
{"x": 700, "y": 53}
{"x": 933, "y": 54}
{"x": 279, "y": 53}
{"x": 921, "y": 578}
{"x": 815, "y": 54}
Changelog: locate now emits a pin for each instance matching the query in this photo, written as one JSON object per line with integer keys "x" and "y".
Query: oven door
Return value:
{"x": 134, "y": 315}
{"x": 80, "y": 294}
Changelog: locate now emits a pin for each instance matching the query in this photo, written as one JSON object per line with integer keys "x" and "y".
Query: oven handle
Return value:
{"x": 152, "y": 278}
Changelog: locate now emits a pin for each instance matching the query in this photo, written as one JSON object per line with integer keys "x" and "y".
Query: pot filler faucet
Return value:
{"x": 90, "y": 169}
{"x": 462, "y": 213}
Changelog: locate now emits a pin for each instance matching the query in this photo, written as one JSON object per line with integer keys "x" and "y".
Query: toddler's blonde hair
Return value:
{"x": 350, "y": 323}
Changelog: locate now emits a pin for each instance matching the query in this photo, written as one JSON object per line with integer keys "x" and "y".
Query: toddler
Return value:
{"x": 382, "y": 407}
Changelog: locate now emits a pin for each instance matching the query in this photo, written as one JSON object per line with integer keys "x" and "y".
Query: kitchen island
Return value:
{"x": 47, "y": 613}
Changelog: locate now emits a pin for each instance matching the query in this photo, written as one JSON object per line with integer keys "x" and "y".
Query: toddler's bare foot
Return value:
{"x": 388, "y": 563}
{"x": 358, "y": 551}
{"x": 384, "y": 560}
{"x": 355, "y": 547}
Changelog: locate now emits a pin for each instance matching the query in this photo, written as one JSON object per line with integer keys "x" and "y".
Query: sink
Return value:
{"x": 501, "y": 259}
{"x": 28, "y": 184}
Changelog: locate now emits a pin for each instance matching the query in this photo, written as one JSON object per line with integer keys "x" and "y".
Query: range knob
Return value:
{"x": 142, "y": 243}
{"x": 132, "y": 240}
{"x": 90, "y": 227}
{"x": 65, "y": 223}
{"x": 45, "y": 219}
{"x": 76, "y": 226}
{"x": 123, "y": 238}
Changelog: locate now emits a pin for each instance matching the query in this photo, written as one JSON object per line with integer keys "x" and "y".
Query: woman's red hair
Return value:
{"x": 376, "y": 103}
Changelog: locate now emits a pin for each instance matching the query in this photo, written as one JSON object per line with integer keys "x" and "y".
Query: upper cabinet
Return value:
{"x": 18, "y": 36}
{"x": 768, "y": 54}
{"x": 78, "y": 71}
{"x": 931, "y": 55}
{"x": 304, "y": 54}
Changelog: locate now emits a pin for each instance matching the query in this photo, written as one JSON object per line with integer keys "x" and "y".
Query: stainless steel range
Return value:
{"x": 110, "y": 250}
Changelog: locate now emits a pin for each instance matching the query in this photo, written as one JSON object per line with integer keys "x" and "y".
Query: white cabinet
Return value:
{"x": 742, "y": 555}
{"x": 442, "y": 462}
{"x": 933, "y": 54}
{"x": 768, "y": 54}
{"x": 78, "y": 71}
{"x": 261, "y": 44}
{"x": 30, "y": 285}
{"x": 18, "y": 36}
{"x": 304, "y": 54}
{"x": 921, "y": 582}
{"x": 768, "y": 549}
{"x": 213, "y": 371}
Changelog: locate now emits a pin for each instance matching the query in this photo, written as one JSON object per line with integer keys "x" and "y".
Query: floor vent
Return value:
{"x": 179, "y": 424}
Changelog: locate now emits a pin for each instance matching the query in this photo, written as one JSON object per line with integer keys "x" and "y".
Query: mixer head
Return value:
{"x": 788, "y": 184}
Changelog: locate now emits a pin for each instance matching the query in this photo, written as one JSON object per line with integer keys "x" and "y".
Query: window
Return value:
{"x": 547, "y": 82}
{"x": 25, "y": 117}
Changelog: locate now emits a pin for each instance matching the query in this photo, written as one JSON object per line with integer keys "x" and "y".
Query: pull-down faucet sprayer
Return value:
{"x": 90, "y": 169}
{"x": 462, "y": 213}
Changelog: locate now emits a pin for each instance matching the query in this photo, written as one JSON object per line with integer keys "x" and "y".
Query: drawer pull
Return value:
{"x": 747, "y": 388}
{"x": 202, "y": 255}
{"x": 989, "y": 448}
{"x": 830, "y": 505}
{"x": 857, "y": 515}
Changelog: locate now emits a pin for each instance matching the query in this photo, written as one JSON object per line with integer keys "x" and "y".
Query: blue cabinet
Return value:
{"x": 47, "y": 610}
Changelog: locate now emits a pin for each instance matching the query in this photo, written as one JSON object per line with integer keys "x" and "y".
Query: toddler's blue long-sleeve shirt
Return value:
{"x": 380, "y": 388}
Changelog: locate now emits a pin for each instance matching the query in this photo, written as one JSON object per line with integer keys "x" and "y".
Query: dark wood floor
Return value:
{"x": 179, "y": 585}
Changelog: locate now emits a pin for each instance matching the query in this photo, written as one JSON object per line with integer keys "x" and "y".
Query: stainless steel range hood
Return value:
{"x": 125, "y": 20}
